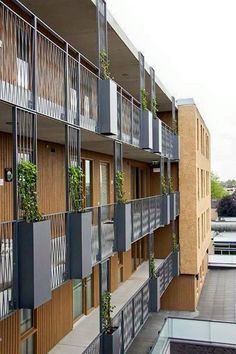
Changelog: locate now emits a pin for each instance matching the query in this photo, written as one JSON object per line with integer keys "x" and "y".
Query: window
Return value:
{"x": 198, "y": 232}
{"x": 198, "y": 184}
{"x": 77, "y": 298}
{"x": 202, "y": 227}
{"x": 197, "y": 134}
{"x": 201, "y": 183}
{"x": 26, "y": 320}
{"x": 88, "y": 183}
{"x": 27, "y": 346}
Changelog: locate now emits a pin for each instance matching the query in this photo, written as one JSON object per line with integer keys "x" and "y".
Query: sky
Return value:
{"x": 191, "y": 45}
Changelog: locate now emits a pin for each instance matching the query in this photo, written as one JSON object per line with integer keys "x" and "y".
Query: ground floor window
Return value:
{"x": 27, "y": 346}
{"x": 82, "y": 296}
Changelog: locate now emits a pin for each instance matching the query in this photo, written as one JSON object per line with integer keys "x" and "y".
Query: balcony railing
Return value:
{"x": 146, "y": 216}
{"x": 168, "y": 270}
{"x": 132, "y": 316}
{"x": 53, "y": 79}
{"x": 58, "y": 248}
{"x": 6, "y": 268}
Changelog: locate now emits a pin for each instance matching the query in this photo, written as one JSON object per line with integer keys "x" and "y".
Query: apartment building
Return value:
{"x": 64, "y": 118}
{"x": 195, "y": 199}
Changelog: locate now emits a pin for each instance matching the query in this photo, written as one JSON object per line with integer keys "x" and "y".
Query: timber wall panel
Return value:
{"x": 114, "y": 272}
{"x": 6, "y": 210}
{"x": 180, "y": 294}
{"x": 163, "y": 241}
{"x": 55, "y": 318}
{"x": 51, "y": 186}
{"x": 10, "y": 335}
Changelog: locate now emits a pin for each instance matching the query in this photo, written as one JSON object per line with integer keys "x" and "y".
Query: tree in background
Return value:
{"x": 230, "y": 183}
{"x": 227, "y": 206}
{"x": 217, "y": 189}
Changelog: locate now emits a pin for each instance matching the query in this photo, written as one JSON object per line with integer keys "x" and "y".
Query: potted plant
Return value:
{"x": 34, "y": 242}
{"x": 107, "y": 98}
{"x": 122, "y": 215}
{"x": 80, "y": 227}
{"x": 154, "y": 286}
{"x": 111, "y": 335}
{"x": 165, "y": 202}
{"x": 146, "y": 123}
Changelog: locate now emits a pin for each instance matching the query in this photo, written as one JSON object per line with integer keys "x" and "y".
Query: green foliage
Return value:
{"x": 154, "y": 106}
{"x": 230, "y": 183}
{"x": 119, "y": 183}
{"x": 170, "y": 184}
{"x": 27, "y": 188}
{"x": 105, "y": 65}
{"x": 174, "y": 242}
{"x": 217, "y": 189}
{"x": 152, "y": 266}
{"x": 175, "y": 128}
{"x": 76, "y": 177}
{"x": 164, "y": 185}
{"x": 144, "y": 100}
{"x": 107, "y": 310}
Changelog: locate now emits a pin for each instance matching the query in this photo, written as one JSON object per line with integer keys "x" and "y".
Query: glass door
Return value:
{"x": 104, "y": 183}
{"x": 77, "y": 298}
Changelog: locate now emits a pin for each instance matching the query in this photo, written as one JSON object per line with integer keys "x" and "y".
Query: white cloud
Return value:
{"x": 191, "y": 45}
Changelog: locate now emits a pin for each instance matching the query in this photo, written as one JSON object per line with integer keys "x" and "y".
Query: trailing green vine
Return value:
{"x": 154, "y": 106}
{"x": 144, "y": 100}
{"x": 171, "y": 184}
{"x": 119, "y": 183}
{"x": 76, "y": 177}
{"x": 152, "y": 266}
{"x": 105, "y": 65}
{"x": 174, "y": 242}
{"x": 175, "y": 128}
{"x": 164, "y": 185}
{"x": 27, "y": 189}
{"x": 107, "y": 310}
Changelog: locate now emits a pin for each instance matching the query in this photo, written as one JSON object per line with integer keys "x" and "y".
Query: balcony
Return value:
{"x": 41, "y": 71}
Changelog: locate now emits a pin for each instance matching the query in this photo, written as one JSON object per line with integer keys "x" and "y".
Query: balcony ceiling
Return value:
{"x": 53, "y": 131}
{"x": 75, "y": 21}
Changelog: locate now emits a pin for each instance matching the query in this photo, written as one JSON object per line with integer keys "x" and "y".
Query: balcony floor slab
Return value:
{"x": 87, "y": 328}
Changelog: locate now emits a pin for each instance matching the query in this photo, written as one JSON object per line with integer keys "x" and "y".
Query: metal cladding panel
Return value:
{"x": 147, "y": 130}
{"x": 155, "y": 294}
{"x": 157, "y": 136}
{"x": 34, "y": 252}
{"x": 111, "y": 342}
{"x": 80, "y": 231}
{"x": 123, "y": 227}
{"x": 173, "y": 212}
{"x": 108, "y": 107}
{"x": 165, "y": 209}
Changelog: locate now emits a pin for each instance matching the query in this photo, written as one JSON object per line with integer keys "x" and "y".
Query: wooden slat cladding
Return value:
{"x": 54, "y": 319}
{"x": 51, "y": 187}
{"x": 9, "y": 335}
{"x": 6, "y": 210}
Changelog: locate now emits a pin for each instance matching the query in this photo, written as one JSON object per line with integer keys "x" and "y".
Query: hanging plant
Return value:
{"x": 174, "y": 242}
{"x": 154, "y": 106}
{"x": 107, "y": 310}
{"x": 119, "y": 183}
{"x": 175, "y": 129}
{"x": 27, "y": 189}
{"x": 164, "y": 185}
{"x": 171, "y": 184}
{"x": 105, "y": 65}
{"x": 144, "y": 100}
{"x": 76, "y": 177}
{"x": 152, "y": 266}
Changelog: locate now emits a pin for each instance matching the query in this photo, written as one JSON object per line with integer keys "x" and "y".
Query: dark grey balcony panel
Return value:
{"x": 123, "y": 227}
{"x": 175, "y": 256}
{"x": 157, "y": 136}
{"x": 176, "y": 147}
{"x": 111, "y": 342}
{"x": 80, "y": 231}
{"x": 108, "y": 107}
{"x": 34, "y": 254}
{"x": 147, "y": 130}
{"x": 165, "y": 212}
{"x": 173, "y": 211}
{"x": 155, "y": 294}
